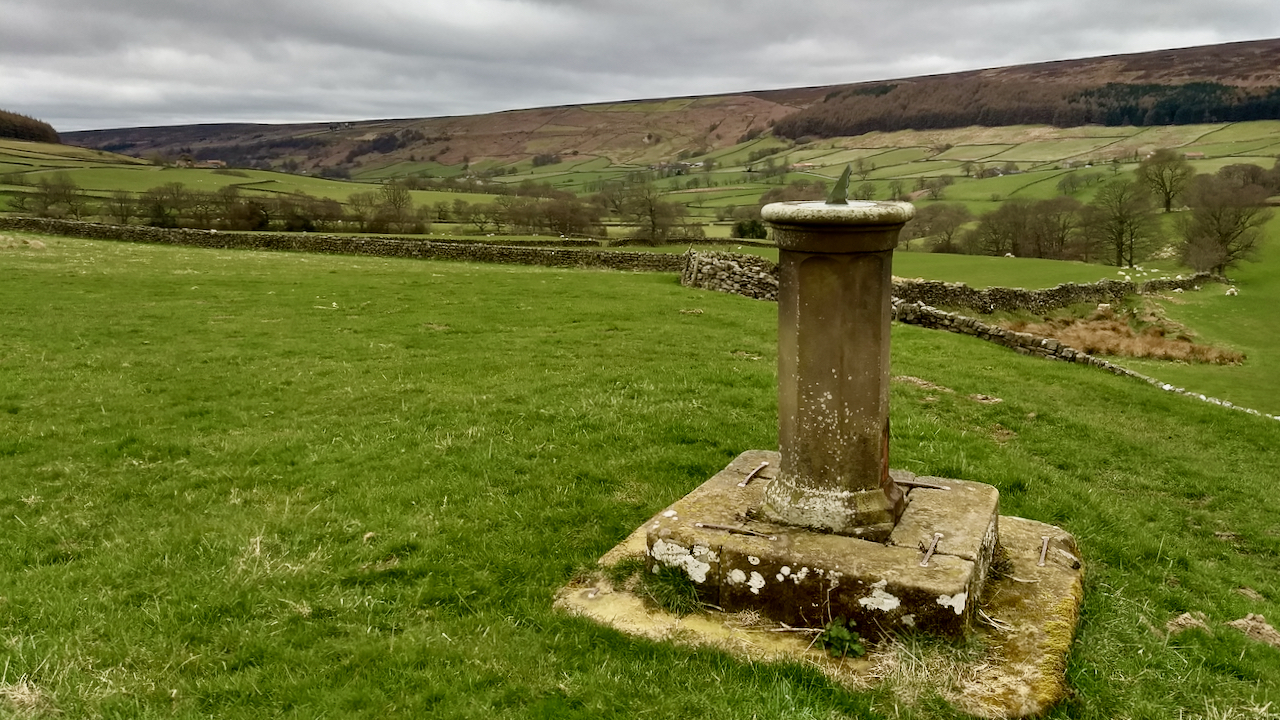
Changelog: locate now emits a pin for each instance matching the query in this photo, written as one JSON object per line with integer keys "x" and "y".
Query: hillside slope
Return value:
{"x": 1068, "y": 92}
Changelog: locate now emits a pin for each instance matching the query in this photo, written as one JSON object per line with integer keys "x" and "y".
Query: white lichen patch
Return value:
{"x": 669, "y": 514}
{"x": 737, "y": 577}
{"x": 909, "y": 620}
{"x": 756, "y": 582}
{"x": 955, "y": 602}
{"x": 696, "y": 562}
{"x": 879, "y": 599}
{"x": 834, "y": 578}
{"x": 753, "y": 560}
{"x": 797, "y": 578}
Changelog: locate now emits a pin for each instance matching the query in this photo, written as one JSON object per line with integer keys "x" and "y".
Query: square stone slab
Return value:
{"x": 797, "y": 576}
{"x": 1029, "y": 615}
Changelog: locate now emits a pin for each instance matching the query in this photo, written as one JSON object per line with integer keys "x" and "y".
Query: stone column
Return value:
{"x": 834, "y": 309}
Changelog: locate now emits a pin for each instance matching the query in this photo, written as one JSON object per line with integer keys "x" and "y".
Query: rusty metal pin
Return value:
{"x": 751, "y": 475}
{"x": 929, "y": 553}
{"x": 1044, "y": 549}
{"x": 735, "y": 530}
{"x": 921, "y": 484}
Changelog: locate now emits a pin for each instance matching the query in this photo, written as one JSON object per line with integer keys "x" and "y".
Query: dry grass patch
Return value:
{"x": 914, "y": 669}
{"x": 24, "y": 699}
{"x": 9, "y": 242}
{"x": 1103, "y": 333}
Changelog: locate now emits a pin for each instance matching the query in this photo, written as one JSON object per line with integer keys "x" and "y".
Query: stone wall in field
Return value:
{"x": 1034, "y": 345}
{"x": 757, "y": 277}
{"x": 525, "y": 253}
{"x": 735, "y": 273}
{"x": 914, "y": 304}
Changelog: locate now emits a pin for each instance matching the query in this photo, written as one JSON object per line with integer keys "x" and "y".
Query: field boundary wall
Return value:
{"x": 525, "y": 253}
{"x": 914, "y": 300}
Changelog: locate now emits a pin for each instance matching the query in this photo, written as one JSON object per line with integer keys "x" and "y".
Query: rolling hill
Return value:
{"x": 1237, "y": 81}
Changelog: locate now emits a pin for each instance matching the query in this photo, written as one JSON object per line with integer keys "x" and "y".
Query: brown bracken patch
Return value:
{"x": 1105, "y": 334}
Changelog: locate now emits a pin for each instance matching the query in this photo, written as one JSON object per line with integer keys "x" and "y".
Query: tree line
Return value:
{"x": 21, "y": 127}
{"x": 1220, "y": 223}
{"x": 938, "y": 103}
{"x": 387, "y": 208}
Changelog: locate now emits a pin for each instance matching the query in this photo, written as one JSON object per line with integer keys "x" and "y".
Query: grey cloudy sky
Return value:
{"x": 83, "y": 64}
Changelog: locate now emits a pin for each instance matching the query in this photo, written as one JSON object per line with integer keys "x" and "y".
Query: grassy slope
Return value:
{"x": 902, "y": 156}
{"x": 247, "y": 484}
{"x": 101, "y": 173}
{"x": 1245, "y": 322}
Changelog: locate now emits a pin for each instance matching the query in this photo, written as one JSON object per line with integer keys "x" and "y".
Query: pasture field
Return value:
{"x": 101, "y": 180}
{"x": 1244, "y": 322}
{"x": 973, "y": 152}
{"x": 243, "y": 484}
{"x": 905, "y": 157}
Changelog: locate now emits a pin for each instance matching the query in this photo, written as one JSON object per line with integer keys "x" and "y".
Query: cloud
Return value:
{"x": 108, "y": 63}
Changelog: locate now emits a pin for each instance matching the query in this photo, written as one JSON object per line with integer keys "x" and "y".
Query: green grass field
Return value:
{"x": 1244, "y": 322}
{"x": 101, "y": 173}
{"x": 244, "y": 484}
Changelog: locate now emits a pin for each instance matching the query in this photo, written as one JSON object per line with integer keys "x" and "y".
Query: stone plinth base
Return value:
{"x": 741, "y": 561}
{"x": 1025, "y": 616}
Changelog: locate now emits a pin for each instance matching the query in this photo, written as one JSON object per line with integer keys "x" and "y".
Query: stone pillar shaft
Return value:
{"x": 834, "y": 313}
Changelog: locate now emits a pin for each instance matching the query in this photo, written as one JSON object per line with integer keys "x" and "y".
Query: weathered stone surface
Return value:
{"x": 834, "y": 309}
{"x": 740, "y": 561}
{"x": 1038, "y": 607}
{"x": 1021, "y": 674}
{"x": 855, "y": 213}
{"x": 966, "y": 515}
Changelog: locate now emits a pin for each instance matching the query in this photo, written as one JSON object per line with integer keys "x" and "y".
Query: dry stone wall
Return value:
{"x": 1028, "y": 344}
{"x": 384, "y": 246}
{"x": 913, "y": 303}
{"x": 735, "y": 273}
{"x": 757, "y": 277}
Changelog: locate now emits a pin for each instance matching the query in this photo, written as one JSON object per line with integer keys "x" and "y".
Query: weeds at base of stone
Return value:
{"x": 840, "y": 640}
{"x": 670, "y": 589}
{"x": 667, "y": 588}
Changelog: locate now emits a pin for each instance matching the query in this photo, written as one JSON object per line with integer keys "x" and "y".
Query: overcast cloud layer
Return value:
{"x": 84, "y": 64}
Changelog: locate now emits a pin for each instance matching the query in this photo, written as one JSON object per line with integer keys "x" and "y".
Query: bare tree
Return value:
{"x": 940, "y": 221}
{"x": 655, "y": 219}
{"x": 1120, "y": 218}
{"x": 361, "y": 207}
{"x": 1002, "y": 231}
{"x": 57, "y": 196}
{"x": 1052, "y": 226}
{"x": 395, "y": 203}
{"x": 1225, "y": 225}
{"x": 166, "y": 203}
{"x": 1166, "y": 173}
{"x": 863, "y": 169}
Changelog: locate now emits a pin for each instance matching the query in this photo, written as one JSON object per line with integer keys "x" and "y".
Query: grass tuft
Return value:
{"x": 25, "y": 699}
{"x": 670, "y": 589}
